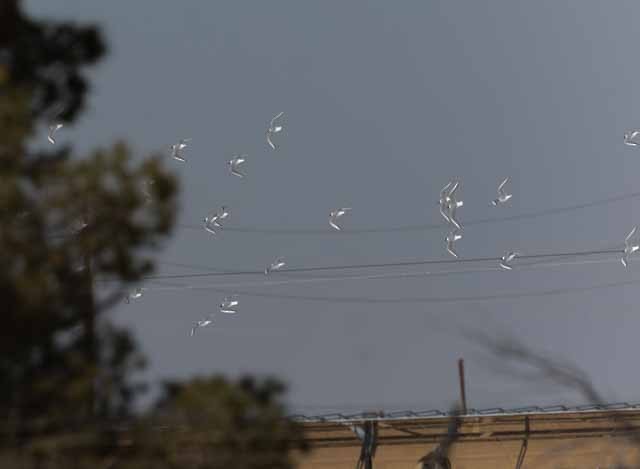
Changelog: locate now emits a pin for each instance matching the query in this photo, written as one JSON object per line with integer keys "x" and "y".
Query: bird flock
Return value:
{"x": 449, "y": 203}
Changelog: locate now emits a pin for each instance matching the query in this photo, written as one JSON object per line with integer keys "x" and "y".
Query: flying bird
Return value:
{"x": 79, "y": 225}
{"x": 503, "y": 196}
{"x": 453, "y": 204}
{"x": 505, "y": 261}
{"x": 335, "y": 214}
{"x": 449, "y": 204}
{"x": 52, "y": 130}
{"x": 451, "y": 239}
{"x": 629, "y": 247}
{"x": 234, "y": 165}
{"x": 228, "y": 305}
{"x": 275, "y": 265}
{"x": 176, "y": 149}
{"x": 201, "y": 323}
{"x": 629, "y": 138}
{"x": 222, "y": 214}
{"x": 210, "y": 223}
{"x": 273, "y": 129}
{"x": 444, "y": 202}
{"x": 359, "y": 431}
{"x": 133, "y": 295}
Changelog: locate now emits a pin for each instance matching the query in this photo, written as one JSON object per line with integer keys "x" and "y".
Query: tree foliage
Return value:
{"x": 76, "y": 234}
{"x": 213, "y": 423}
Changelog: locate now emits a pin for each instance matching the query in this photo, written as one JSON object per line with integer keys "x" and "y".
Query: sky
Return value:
{"x": 384, "y": 103}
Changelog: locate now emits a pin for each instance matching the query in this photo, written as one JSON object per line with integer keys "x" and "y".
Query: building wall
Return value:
{"x": 562, "y": 440}
{"x": 601, "y": 452}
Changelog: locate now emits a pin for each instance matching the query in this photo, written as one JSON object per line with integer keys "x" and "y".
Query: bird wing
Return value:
{"x": 453, "y": 220}
{"x": 443, "y": 191}
{"x": 278, "y": 116}
{"x": 444, "y": 214}
{"x": 273, "y": 147}
{"x": 52, "y": 130}
{"x": 453, "y": 188}
{"x": 333, "y": 224}
{"x": 502, "y": 184}
{"x": 630, "y": 235}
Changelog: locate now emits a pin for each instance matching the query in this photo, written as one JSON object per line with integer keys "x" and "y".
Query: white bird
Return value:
{"x": 503, "y": 196}
{"x": 629, "y": 247}
{"x": 234, "y": 165}
{"x": 133, "y": 295}
{"x": 506, "y": 260}
{"x": 201, "y": 323}
{"x": 451, "y": 239}
{"x": 359, "y": 431}
{"x": 629, "y": 138}
{"x": 275, "y": 265}
{"x": 444, "y": 201}
{"x": 228, "y": 305}
{"x": 176, "y": 149}
{"x": 273, "y": 129}
{"x": 335, "y": 214}
{"x": 448, "y": 203}
{"x": 210, "y": 223}
{"x": 52, "y": 130}
{"x": 79, "y": 225}
{"x": 222, "y": 214}
{"x": 453, "y": 206}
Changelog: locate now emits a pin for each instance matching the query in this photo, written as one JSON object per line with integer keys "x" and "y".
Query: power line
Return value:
{"x": 368, "y": 300}
{"x": 380, "y": 265}
{"x": 426, "y": 300}
{"x": 420, "y": 227}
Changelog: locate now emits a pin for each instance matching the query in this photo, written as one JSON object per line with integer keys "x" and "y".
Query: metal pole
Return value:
{"x": 463, "y": 394}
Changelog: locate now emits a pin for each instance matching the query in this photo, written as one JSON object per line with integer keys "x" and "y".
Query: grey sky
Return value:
{"x": 384, "y": 102}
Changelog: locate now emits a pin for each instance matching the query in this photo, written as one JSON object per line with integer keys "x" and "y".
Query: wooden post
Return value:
{"x": 463, "y": 395}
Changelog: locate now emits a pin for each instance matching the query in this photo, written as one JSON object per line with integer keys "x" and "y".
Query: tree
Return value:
{"x": 76, "y": 234}
{"x": 213, "y": 423}
{"x": 65, "y": 224}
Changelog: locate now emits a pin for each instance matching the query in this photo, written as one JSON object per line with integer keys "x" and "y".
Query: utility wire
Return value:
{"x": 379, "y": 265}
{"x": 235, "y": 286}
{"x": 427, "y": 300}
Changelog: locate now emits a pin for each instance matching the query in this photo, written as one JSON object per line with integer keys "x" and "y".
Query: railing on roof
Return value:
{"x": 434, "y": 413}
